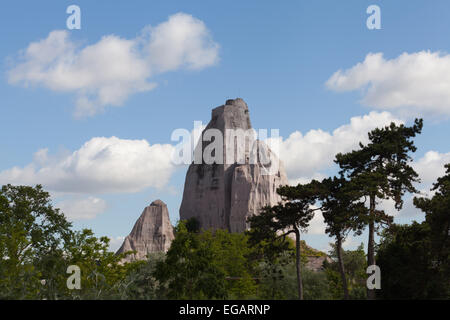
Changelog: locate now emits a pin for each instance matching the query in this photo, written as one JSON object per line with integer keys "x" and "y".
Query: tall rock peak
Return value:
{"x": 223, "y": 195}
{"x": 232, "y": 115}
{"x": 158, "y": 203}
{"x": 152, "y": 232}
{"x": 237, "y": 102}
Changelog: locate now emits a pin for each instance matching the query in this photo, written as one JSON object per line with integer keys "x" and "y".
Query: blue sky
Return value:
{"x": 277, "y": 56}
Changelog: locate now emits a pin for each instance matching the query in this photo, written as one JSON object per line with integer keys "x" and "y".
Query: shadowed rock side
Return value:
{"x": 152, "y": 232}
{"x": 222, "y": 196}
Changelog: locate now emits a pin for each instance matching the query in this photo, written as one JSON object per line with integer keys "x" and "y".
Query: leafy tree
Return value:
{"x": 203, "y": 265}
{"x": 355, "y": 272}
{"x": 140, "y": 282}
{"x": 291, "y": 217}
{"x": 415, "y": 258}
{"x": 316, "y": 286}
{"x": 102, "y": 273}
{"x": 101, "y": 270}
{"x": 284, "y": 286}
{"x": 272, "y": 253}
{"x": 405, "y": 255}
{"x": 437, "y": 216}
{"x": 277, "y": 278}
{"x": 31, "y": 231}
{"x": 381, "y": 170}
{"x": 37, "y": 245}
{"x": 232, "y": 253}
{"x": 343, "y": 212}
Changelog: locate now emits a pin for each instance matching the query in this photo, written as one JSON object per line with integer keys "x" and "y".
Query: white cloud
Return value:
{"x": 350, "y": 243}
{"x": 101, "y": 165}
{"x": 306, "y": 155}
{"x": 414, "y": 82}
{"x": 181, "y": 41}
{"x": 408, "y": 209}
{"x": 317, "y": 224}
{"x": 431, "y": 166}
{"x": 115, "y": 243}
{"x": 82, "y": 208}
{"x": 106, "y": 73}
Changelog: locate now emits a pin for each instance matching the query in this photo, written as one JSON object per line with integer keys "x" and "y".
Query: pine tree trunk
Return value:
{"x": 371, "y": 244}
{"x": 341, "y": 267}
{"x": 298, "y": 265}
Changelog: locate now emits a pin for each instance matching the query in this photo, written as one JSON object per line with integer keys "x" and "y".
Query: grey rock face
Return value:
{"x": 222, "y": 195}
{"x": 316, "y": 263}
{"x": 152, "y": 232}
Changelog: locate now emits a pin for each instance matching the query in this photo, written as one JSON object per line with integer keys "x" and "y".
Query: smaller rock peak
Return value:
{"x": 158, "y": 203}
{"x": 152, "y": 232}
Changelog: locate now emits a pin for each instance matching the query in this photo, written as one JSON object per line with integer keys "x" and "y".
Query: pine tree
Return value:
{"x": 381, "y": 170}
{"x": 343, "y": 212}
{"x": 291, "y": 217}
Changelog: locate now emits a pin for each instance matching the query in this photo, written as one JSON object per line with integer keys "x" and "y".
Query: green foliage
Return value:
{"x": 274, "y": 223}
{"x": 355, "y": 271}
{"x": 100, "y": 268}
{"x": 37, "y": 245}
{"x": 343, "y": 211}
{"x": 381, "y": 167}
{"x": 203, "y": 265}
{"x": 199, "y": 265}
{"x": 415, "y": 259}
{"x": 381, "y": 170}
{"x": 277, "y": 278}
{"x": 407, "y": 264}
{"x": 437, "y": 216}
{"x": 140, "y": 282}
{"x": 342, "y": 208}
{"x": 282, "y": 284}
{"x": 316, "y": 285}
{"x": 32, "y": 233}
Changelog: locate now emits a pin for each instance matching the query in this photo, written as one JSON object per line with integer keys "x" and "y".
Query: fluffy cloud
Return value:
{"x": 101, "y": 165}
{"x": 317, "y": 224}
{"x": 107, "y": 72}
{"x": 115, "y": 243}
{"x": 431, "y": 166}
{"x": 180, "y": 41}
{"x": 305, "y": 155}
{"x": 82, "y": 208}
{"x": 308, "y": 156}
{"x": 417, "y": 81}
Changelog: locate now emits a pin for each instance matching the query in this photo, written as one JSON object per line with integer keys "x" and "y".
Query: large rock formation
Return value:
{"x": 152, "y": 232}
{"x": 221, "y": 195}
